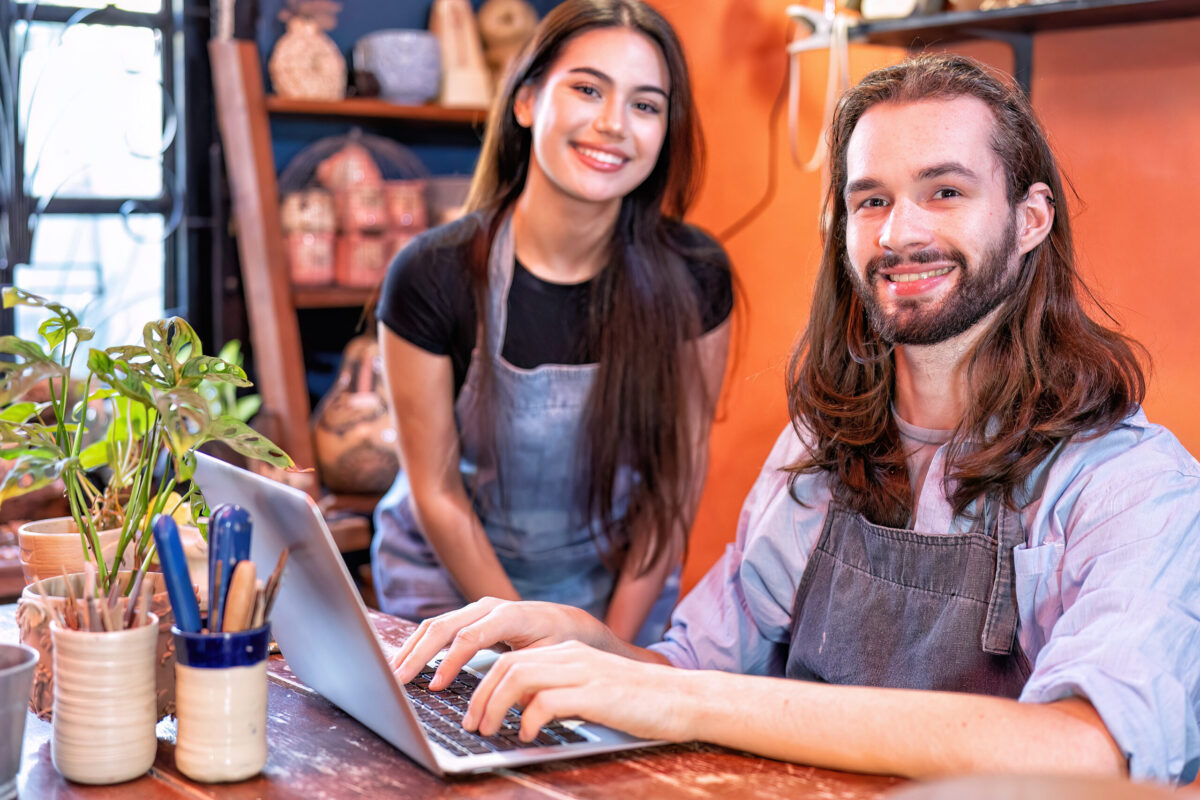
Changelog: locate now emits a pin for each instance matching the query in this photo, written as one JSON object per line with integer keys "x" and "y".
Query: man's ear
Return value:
{"x": 1035, "y": 217}
{"x": 523, "y": 105}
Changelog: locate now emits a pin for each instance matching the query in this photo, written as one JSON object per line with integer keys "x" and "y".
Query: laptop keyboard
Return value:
{"x": 441, "y": 713}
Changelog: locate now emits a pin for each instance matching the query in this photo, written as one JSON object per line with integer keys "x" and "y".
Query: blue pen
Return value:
{"x": 175, "y": 574}
{"x": 228, "y": 543}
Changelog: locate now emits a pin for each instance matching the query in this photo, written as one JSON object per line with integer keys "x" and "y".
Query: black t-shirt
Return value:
{"x": 427, "y": 300}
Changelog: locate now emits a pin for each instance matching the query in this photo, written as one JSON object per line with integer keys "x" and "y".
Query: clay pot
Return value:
{"x": 351, "y": 166}
{"x": 406, "y": 205}
{"x": 362, "y": 259}
{"x": 51, "y": 546}
{"x": 104, "y": 713}
{"x": 310, "y": 257}
{"x": 33, "y": 624}
{"x": 352, "y": 429}
{"x": 361, "y": 207}
{"x": 307, "y": 210}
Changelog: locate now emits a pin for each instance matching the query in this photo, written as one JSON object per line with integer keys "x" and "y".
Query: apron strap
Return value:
{"x": 1000, "y": 627}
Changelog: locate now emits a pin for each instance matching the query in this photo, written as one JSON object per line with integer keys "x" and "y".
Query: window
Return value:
{"x": 91, "y": 190}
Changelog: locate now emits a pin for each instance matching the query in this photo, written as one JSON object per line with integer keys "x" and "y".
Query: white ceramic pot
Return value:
{"x": 104, "y": 710}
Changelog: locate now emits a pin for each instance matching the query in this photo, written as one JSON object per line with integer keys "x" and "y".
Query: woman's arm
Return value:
{"x": 635, "y": 594}
{"x": 421, "y": 387}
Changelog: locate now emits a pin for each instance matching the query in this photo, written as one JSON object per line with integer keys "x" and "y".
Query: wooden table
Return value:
{"x": 315, "y": 750}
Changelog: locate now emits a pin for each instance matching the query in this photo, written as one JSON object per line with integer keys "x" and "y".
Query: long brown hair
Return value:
{"x": 1043, "y": 372}
{"x": 644, "y": 319}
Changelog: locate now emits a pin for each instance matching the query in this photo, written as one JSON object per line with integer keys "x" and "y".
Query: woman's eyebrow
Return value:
{"x": 603, "y": 77}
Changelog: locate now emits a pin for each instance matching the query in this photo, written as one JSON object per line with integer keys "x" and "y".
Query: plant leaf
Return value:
{"x": 183, "y": 414}
{"x": 29, "y": 473}
{"x": 214, "y": 370}
{"x": 170, "y": 343}
{"x": 247, "y": 407}
{"x": 249, "y": 442}
{"x": 19, "y": 412}
{"x": 94, "y": 455}
{"x": 119, "y": 374}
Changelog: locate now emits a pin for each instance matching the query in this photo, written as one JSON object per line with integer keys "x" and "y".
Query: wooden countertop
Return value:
{"x": 316, "y": 750}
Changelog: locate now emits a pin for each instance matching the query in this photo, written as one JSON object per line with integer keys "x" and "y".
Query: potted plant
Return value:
{"x": 157, "y": 398}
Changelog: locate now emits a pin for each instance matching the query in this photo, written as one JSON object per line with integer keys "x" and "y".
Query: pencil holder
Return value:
{"x": 221, "y": 702}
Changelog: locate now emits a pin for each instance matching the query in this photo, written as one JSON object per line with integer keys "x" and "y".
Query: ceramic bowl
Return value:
{"x": 405, "y": 62}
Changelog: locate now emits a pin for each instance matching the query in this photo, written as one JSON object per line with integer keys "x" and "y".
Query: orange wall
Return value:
{"x": 1122, "y": 105}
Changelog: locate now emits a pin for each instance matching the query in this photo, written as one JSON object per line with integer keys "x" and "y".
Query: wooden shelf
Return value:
{"x": 958, "y": 25}
{"x": 330, "y": 296}
{"x": 372, "y": 108}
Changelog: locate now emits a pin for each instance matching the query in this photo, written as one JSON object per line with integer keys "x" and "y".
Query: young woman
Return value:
{"x": 554, "y": 357}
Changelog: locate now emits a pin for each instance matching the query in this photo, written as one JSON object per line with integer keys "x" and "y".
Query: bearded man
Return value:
{"x": 970, "y": 551}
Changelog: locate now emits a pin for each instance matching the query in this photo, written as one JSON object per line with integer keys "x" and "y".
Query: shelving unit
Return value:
{"x": 1016, "y": 26}
{"x": 371, "y": 108}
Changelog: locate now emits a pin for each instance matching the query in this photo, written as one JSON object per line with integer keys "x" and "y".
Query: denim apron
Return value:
{"x": 880, "y": 606}
{"x": 535, "y": 523}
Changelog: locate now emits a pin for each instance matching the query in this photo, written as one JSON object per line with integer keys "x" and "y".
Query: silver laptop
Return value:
{"x": 323, "y": 631}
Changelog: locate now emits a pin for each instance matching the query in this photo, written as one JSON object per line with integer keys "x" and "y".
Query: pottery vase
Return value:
{"x": 33, "y": 625}
{"x": 104, "y": 713}
{"x": 352, "y": 429}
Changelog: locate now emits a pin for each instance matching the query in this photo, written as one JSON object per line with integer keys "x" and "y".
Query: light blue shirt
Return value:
{"x": 1107, "y": 582}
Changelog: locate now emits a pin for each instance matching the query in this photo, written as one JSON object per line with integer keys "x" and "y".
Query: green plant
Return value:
{"x": 159, "y": 401}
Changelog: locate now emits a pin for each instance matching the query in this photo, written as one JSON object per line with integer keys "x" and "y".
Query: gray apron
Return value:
{"x": 880, "y": 606}
{"x": 535, "y": 525}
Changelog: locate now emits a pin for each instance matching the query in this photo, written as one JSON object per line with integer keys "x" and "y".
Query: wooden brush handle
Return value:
{"x": 239, "y": 603}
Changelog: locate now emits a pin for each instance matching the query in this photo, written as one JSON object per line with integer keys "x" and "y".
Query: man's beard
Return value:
{"x": 982, "y": 288}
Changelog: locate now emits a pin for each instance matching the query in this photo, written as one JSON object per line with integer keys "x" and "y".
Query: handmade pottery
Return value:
{"x": 352, "y": 429}
{"x": 405, "y": 63}
{"x": 51, "y": 546}
{"x": 33, "y": 625}
{"x": 104, "y": 713}
{"x": 222, "y": 716}
{"x": 466, "y": 81}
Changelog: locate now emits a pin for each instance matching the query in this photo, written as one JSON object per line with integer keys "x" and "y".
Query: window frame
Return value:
{"x": 16, "y": 207}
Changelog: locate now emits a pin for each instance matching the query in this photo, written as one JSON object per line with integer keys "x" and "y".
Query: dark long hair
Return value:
{"x": 644, "y": 319}
{"x": 1043, "y": 372}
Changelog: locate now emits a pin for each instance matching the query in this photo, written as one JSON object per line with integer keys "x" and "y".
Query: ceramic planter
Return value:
{"x": 49, "y": 546}
{"x": 104, "y": 713}
{"x": 33, "y": 624}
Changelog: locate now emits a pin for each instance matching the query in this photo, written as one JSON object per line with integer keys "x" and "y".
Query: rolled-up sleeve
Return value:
{"x": 1128, "y": 585}
{"x": 738, "y": 617}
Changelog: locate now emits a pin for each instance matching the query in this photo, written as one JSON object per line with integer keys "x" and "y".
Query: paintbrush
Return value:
{"x": 90, "y": 608}
{"x": 49, "y": 609}
{"x": 73, "y": 602}
{"x": 260, "y": 605}
{"x": 134, "y": 592}
{"x": 273, "y": 583}
{"x": 144, "y": 605}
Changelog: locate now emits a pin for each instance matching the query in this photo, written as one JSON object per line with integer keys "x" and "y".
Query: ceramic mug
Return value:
{"x": 221, "y": 699}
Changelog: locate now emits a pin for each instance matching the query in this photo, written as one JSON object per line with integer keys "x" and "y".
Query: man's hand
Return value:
{"x": 574, "y": 681}
{"x": 489, "y": 622}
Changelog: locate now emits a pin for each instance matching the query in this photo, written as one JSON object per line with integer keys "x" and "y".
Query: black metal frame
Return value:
{"x": 183, "y": 26}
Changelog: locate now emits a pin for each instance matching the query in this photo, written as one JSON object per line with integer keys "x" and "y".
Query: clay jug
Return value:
{"x": 352, "y": 428}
